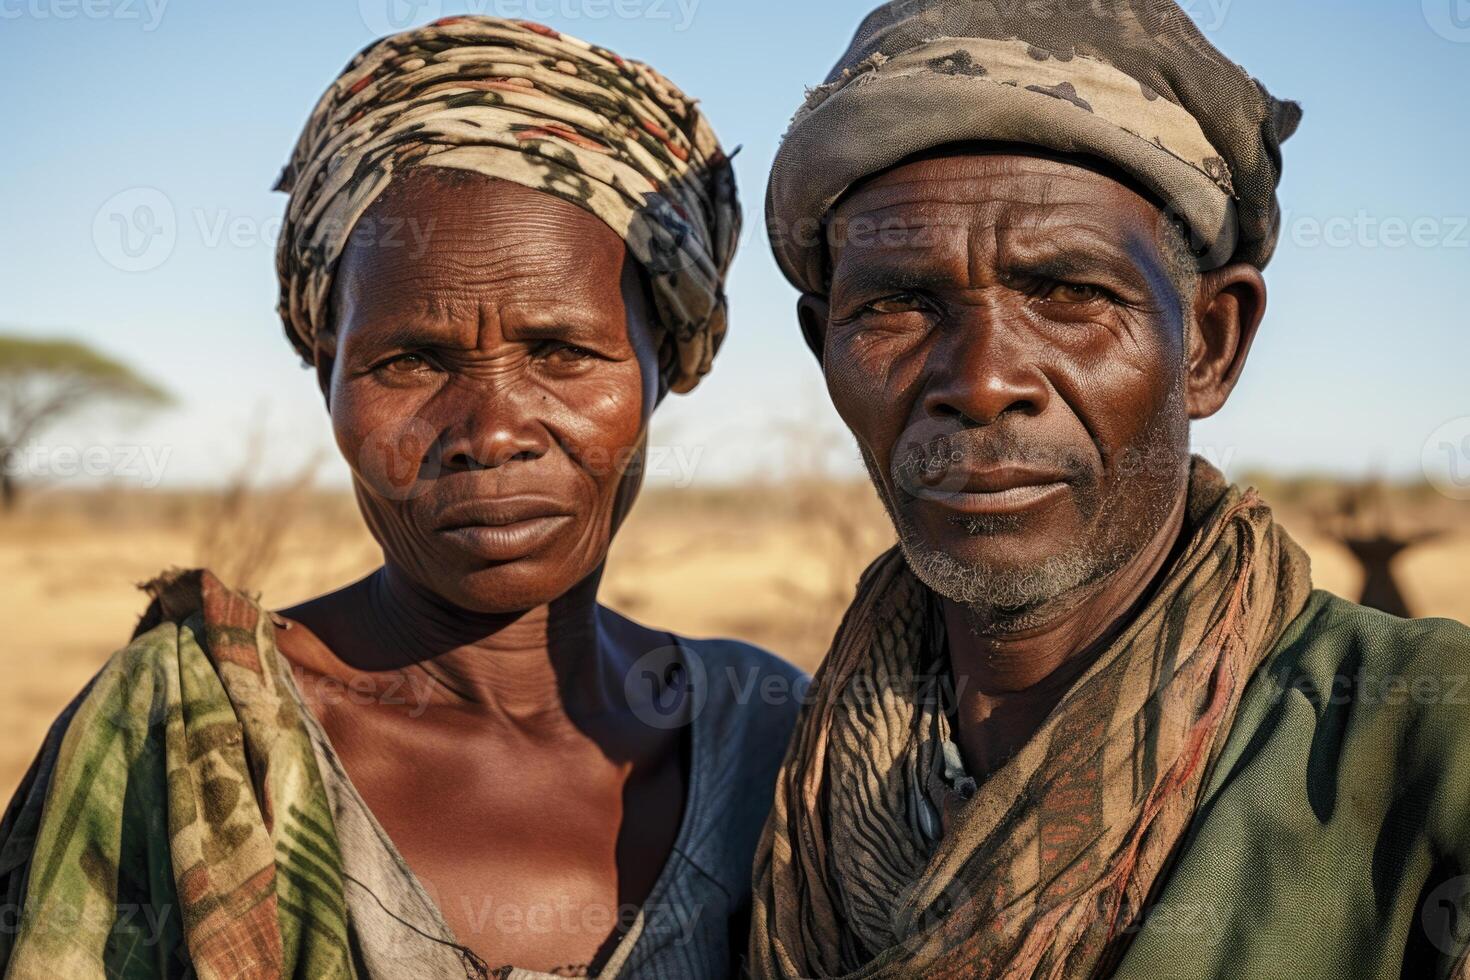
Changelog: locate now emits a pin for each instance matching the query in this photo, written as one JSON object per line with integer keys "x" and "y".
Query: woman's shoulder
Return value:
{"x": 740, "y": 682}
{"x": 749, "y": 697}
{"x": 745, "y": 702}
{"x": 748, "y": 688}
{"x": 739, "y": 663}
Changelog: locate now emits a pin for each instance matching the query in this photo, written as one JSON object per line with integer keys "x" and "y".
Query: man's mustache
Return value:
{"x": 931, "y": 458}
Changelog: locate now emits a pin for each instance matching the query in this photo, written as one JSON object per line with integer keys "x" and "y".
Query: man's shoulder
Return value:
{"x": 1333, "y": 633}
{"x": 1386, "y": 695}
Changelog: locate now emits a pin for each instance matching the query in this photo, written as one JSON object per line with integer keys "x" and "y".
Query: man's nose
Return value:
{"x": 984, "y": 370}
{"x": 497, "y": 421}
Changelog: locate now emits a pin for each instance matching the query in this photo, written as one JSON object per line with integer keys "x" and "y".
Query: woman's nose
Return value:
{"x": 499, "y": 422}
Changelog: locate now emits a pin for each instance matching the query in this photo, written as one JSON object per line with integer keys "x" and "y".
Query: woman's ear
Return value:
{"x": 812, "y": 312}
{"x": 325, "y": 360}
{"x": 1228, "y": 309}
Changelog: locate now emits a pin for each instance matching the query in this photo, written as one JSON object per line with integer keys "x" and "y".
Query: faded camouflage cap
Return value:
{"x": 1130, "y": 82}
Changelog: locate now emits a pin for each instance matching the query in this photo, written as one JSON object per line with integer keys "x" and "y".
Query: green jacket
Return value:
{"x": 1333, "y": 839}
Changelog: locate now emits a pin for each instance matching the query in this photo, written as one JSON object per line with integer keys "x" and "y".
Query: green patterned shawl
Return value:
{"x": 181, "y": 822}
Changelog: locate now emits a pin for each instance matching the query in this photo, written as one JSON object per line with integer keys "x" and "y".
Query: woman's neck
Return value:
{"x": 540, "y": 669}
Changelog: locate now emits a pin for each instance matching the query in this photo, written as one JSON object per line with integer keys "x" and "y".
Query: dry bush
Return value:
{"x": 241, "y": 534}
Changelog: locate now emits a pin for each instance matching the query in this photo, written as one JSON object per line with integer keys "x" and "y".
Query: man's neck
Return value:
{"x": 1008, "y": 678}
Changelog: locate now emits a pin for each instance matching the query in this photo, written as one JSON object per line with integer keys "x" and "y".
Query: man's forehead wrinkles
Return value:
{"x": 986, "y": 230}
{"x": 1042, "y": 208}
{"x": 978, "y": 194}
{"x": 1072, "y": 236}
{"x": 907, "y": 182}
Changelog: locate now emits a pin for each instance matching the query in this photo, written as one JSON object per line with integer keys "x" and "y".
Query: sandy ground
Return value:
{"x": 775, "y": 566}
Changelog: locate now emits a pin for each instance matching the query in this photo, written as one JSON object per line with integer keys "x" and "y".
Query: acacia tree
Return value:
{"x": 43, "y": 381}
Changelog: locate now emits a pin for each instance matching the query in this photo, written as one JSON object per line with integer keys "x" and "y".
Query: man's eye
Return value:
{"x": 1072, "y": 292}
{"x": 405, "y": 364}
{"x": 896, "y": 304}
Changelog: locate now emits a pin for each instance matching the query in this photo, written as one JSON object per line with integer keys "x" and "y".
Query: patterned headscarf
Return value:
{"x": 524, "y": 103}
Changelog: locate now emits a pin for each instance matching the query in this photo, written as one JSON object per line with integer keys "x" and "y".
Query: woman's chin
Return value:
{"x": 508, "y": 587}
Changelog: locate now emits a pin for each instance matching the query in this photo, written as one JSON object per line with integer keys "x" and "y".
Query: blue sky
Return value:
{"x": 188, "y": 107}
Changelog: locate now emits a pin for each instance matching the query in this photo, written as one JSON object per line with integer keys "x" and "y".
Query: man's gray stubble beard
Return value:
{"x": 1012, "y": 595}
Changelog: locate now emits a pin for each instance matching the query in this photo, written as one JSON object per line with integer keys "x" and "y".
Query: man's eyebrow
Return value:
{"x": 1064, "y": 265}
{"x": 1072, "y": 263}
{"x": 877, "y": 274}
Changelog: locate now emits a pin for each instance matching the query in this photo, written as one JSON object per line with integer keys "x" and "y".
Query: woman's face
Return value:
{"x": 490, "y": 378}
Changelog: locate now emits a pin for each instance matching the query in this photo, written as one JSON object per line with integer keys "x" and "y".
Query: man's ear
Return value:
{"x": 812, "y": 312}
{"x": 1228, "y": 309}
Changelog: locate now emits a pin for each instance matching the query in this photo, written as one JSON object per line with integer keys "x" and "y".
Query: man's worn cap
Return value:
{"x": 1129, "y": 82}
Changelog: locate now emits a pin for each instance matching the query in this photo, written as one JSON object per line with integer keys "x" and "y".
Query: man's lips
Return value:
{"x": 986, "y": 490}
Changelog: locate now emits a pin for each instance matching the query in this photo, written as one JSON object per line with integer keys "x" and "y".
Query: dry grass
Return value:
{"x": 772, "y": 564}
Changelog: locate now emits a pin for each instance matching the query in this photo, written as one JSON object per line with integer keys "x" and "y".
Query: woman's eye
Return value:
{"x": 892, "y": 305}
{"x": 1071, "y": 292}
{"x": 566, "y": 353}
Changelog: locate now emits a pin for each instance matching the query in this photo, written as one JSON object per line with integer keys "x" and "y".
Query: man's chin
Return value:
{"x": 1003, "y": 576}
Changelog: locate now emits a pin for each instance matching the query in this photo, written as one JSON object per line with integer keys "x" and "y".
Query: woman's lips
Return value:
{"x": 506, "y": 542}
{"x": 502, "y": 529}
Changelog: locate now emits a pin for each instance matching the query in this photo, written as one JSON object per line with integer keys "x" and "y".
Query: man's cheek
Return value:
{"x": 858, "y": 382}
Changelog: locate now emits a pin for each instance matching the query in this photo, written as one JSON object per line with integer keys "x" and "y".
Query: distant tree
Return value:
{"x": 43, "y": 381}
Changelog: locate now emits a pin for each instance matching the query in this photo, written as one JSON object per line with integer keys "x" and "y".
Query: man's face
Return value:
{"x": 1006, "y": 339}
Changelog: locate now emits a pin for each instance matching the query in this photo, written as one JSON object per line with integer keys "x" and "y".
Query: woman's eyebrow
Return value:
{"x": 398, "y": 334}
{"x": 555, "y": 327}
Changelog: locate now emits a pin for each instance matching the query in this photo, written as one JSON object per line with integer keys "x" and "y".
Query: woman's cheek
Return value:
{"x": 603, "y": 420}
{"x": 387, "y": 444}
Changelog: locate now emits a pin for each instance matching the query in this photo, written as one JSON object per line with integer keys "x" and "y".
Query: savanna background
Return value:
{"x": 152, "y": 414}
